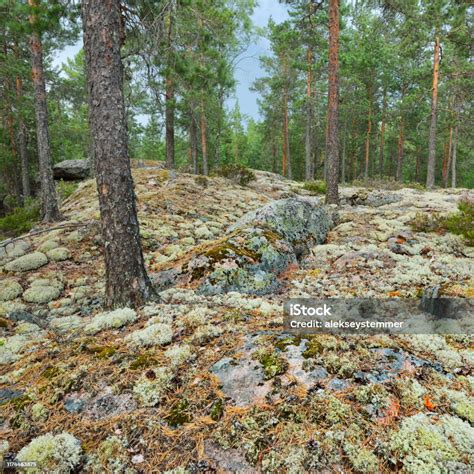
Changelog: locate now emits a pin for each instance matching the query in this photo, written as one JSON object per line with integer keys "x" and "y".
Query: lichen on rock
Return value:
{"x": 27, "y": 262}
{"x": 10, "y": 290}
{"x": 111, "y": 320}
{"x": 56, "y": 454}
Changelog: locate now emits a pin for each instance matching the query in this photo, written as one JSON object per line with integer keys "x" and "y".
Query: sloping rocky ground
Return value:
{"x": 207, "y": 381}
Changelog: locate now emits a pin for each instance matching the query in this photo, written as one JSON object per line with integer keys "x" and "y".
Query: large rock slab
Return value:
{"x": 72, "y": 169}
{"x": 260, "y": 246}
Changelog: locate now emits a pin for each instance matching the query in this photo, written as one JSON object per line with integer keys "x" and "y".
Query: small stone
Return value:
{"x": 10, "y": 290}
{"x": 31, "y": 261}
{"x": 59, "y": 254}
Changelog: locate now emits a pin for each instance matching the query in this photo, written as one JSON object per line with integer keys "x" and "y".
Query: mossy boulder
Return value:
{"x": 256, "y": 250}
{"x": 10, "y": 290}
{"x": 28, "y": 262}
{"x": 52, "y": 453}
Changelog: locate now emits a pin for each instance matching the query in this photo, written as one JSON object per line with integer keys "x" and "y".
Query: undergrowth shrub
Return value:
{"x": 65, "y": 189}
{"x": 317, "y": 186}
{"x": 389, "y": 184}
{"x": 238, "y": 173}
{"x": 459, "y": 223}
{"x": 21, "y": 219}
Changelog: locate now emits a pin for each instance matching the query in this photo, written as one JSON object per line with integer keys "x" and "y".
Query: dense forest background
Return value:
{"x": 179, "y": 60}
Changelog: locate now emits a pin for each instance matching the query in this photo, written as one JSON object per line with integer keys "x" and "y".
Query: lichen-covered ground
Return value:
{"x": 197, "y": 383}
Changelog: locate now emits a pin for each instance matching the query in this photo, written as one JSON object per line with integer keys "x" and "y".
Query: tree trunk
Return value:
{"x": 25, "y": 176}
{"x": 453, "y": 160}
{"x": 430, "y": 177}
{"x": 286, "y": 164}
{"x": 205, "y": 170}
{"x": 447, "y": 160}
{"x": 418, "y": 165}
{"x": 308, "y": 173}
{"x": 273, "y": 157}
{"x": 127, "y": 282}
{"x": 367, "y": 141}
{"x": 194, "y": 145}
{"x": 49, "y": 202}
{"x": 401, "y": 141}
{"x": 169, "y": 99}
{"x": 382, "y": 134}
{"x": 332, "y": 145}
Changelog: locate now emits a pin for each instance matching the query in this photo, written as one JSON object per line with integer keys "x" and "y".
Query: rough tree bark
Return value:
{"x": 401, "y": 143}
{"x": 194, "y": 144}
{"x": 453, "y": 159}
{"x": 49, "y": 202}
{"x": 430, "y": 177}
{"x": 308, "y": 171}
{"x": 332, "y": 141}
{"x": 169, "y": 99}
{"x": 205, "y": 170}
{"x": 22, "y": 144}
{"x": 127, "y": 283}
{"x": 382, "y": 133}
{"x": 367, "y": 140}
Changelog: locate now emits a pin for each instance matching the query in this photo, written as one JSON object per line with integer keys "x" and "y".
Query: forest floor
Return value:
{"x": 197, "y": 383}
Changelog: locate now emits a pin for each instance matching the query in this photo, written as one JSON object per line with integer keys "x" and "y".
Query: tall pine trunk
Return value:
{"x": 205, "y": 170}
{"x": 332, "y": 142}
{"x": 308, "y": 170}
{"x": 382, "y": 134}
{"x": 367, "y": 140}
{"x": 49, "y": 202}
{"x": 22, "y": 144}
{"x": 169, "y": 99}
{"x": 127, "y": 283}
{"x": 454, "y": 156}
{"x": 401, "y": 143}
{"x": 430, "y": 177}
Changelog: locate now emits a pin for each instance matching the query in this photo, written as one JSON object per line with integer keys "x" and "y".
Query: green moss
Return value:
{"x": 3, "y": 323}
{"x": 179, "y": 413}
{"x": 282, "y": 344}
{"x": 65, "y": 189}
{"x": 51, "y": 372}
{"x": 238, "y": 173}
{"x": 143, "y": 362}
{"x": 272, "y": 363}
{"x": 465, "y": 410}
{"x": 217, "y": 409}
{"x": 313, "y": 348}
{"x": 102, "y": 352}
{"x": 317, "y": 187}
{"x": 18, "y": 403}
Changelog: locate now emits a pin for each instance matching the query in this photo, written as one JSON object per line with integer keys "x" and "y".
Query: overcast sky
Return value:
{"x": 248, "y": 68}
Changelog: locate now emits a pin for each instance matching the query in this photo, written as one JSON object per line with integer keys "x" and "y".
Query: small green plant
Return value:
{"x": 201, "y": 181}
{"x": 459, "y": 223}
{"x": 238, "y": 173}
{"x": 21, "y": 220}
{"x": 424, "y": 222}
{"x": 462, "y": 221}
{"x": 65, "y": 189}
{"x": 318, "y": 186}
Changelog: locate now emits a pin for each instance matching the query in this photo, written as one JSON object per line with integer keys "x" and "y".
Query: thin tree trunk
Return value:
{"x": 169, "y": 99}
{"x": 194, "y": 145}
{"x": 453, "y": 161}
{"x": 273, "y": 157}
{"x": 332, "y": 145}
{"x": 309, "y": 117}
{"x": 401, "y": 141}
{"x": 418, "y": 165}
{"x": 49, "y": 202}
{"x": 22, "y": 145}
{"x": 367, "y": 141}
{"x": 285, "y": 157}
{"x": 343, "y": 162}
{"x": 205, "y": 170}
{"x": 127, "y": 283}
{"x": 448, "y": 159}
{"x": 382, "y": 134}
{"x": 430, "y": 177}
